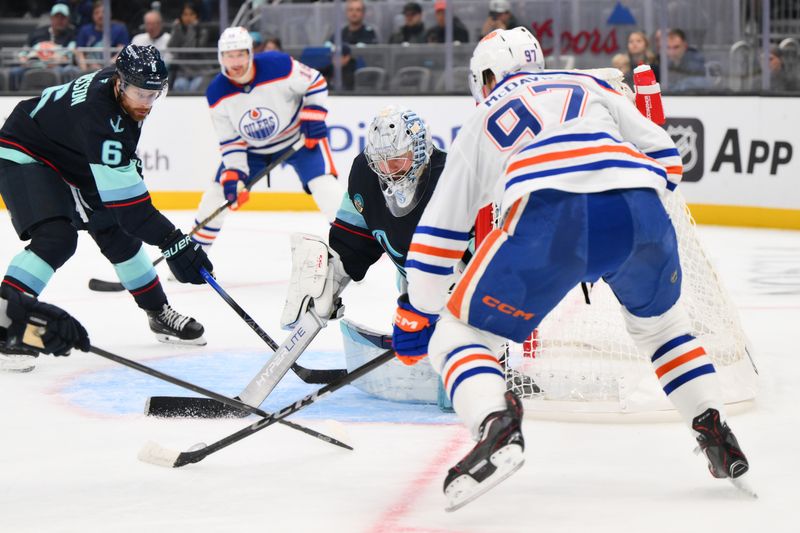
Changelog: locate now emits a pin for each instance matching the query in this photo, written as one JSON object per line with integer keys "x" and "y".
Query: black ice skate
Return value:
{"x": 16, "y": 358}
{"x": 172, "y": 327}
{"x": 497, "y": 455}
{"x": 718, "y": 443}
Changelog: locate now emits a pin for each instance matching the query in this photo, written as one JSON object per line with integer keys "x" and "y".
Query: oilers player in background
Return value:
{"x": 68, "y": 162}
{"x": 260, "y": 106}
{"x": 577, "y": 172}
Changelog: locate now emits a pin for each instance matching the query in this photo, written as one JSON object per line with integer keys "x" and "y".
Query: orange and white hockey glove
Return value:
{"x": 233, "y": 186}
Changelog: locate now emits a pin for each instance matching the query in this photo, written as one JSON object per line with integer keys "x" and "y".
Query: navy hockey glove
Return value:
{"x": 312, "y": 124}
{"x": 57, "y": 331}
{"x": 185, "y": 258}
{"x": 233, "y": 186}
{"x": 412, "y": 331}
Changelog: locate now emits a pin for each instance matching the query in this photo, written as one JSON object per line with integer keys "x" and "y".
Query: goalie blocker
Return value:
{"x": 318, "y": 276}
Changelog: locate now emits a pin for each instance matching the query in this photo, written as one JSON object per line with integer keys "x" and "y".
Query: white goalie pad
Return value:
{"x": 317, "y": 275}
{"x": 392, "y": 381}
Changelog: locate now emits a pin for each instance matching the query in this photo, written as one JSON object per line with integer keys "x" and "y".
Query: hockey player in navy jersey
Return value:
{"x": 577, "y": 172}
{"x": 68, "y": 161}
{"x": 260, "y": 106}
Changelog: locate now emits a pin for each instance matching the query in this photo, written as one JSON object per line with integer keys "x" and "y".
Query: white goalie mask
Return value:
{"x": 398, "y": 150}
{"x": 503, "y": 52}
{"x": 232, "y": 39}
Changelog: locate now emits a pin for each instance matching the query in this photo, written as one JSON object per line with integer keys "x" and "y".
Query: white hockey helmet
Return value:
{"x": 503, "y": 52}
{"x": 234, "y": 38}
{"x": 398, "y": 150}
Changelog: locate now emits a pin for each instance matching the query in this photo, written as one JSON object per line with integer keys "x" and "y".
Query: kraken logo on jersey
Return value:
{"x": 259, "y": 124}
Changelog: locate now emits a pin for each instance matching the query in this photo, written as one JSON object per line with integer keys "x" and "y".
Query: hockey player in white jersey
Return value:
{"x": 260, "y": 106}
{"x": 577, "y": 172}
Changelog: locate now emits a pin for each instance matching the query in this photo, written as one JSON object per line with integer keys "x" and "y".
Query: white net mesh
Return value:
{"x": 583, "y": 354}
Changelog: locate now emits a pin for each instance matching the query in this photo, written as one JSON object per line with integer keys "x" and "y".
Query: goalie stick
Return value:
{"x": 100, "y": 285}
{"x": 265, "y": 380}
{"x": 155, "y": 454}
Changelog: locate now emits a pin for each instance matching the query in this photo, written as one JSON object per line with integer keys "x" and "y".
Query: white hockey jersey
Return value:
{"x": 547, "y": 130}
{"x": 263, "y": 116}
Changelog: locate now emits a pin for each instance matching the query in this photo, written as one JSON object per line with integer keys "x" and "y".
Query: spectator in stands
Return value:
{"x": 639, "y": 53}
{"x": 348, "y": 69}
{"x": 687, "y": 66}
{"x": 153, "y": 33}
{"x": 91, "y": 36}
{"x": 356, "y": 31}
{"x": 623, "y": 63}
{"x": 273, "y": 43}
{"x": 80, "y": 11}
{"x": 780, "y": 78}
{"x": 413, "y": 31}
{"x": 187, "y": 33}
{"x": 258, "y": 42}
{"x": 500, "y": 17}
{"x": 48, "y": 47}
{"x": 437, "y": 33}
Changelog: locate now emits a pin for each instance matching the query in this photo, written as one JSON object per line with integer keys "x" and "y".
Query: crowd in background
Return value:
{"x": 173, "y": 26}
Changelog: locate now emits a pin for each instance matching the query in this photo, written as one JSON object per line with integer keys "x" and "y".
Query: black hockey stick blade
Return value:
{"x": 100, "y": 285}
{"x": 155, "y": 454}
{"x": 317, "y": 376}
{"x": 190, "y": 407}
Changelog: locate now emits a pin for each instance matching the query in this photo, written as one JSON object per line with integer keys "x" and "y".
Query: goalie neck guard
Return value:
{"x": 398, "y": 150}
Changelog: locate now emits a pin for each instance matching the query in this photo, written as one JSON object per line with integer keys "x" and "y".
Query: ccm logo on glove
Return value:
{"x": 412, "y": 331}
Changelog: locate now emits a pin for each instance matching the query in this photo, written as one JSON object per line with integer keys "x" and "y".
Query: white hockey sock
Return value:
{"x": 212, "y": 199}
{"x": 472, "y": 376}
{"x": 327, "y": 193}
{"x": 688, "y": 377}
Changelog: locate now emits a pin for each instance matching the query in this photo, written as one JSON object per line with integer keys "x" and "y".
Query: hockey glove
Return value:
{"x": 185, "y": 258}
{"x": 412, "y": 331}
{"x": 57, "y": 331}
{"x": 312, "y": 124}
{"x": 233, "y": 186}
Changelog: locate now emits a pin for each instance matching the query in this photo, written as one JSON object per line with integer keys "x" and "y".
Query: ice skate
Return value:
{"x": 497, "y": 455}
{"x": 725, "y": 458}
{"x": 175, "y": 328}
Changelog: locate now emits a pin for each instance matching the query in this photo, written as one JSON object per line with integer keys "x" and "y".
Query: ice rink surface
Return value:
{"x": 70, "y": 431}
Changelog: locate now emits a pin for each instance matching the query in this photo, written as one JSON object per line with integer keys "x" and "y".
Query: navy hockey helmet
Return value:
{"x": 142, "y": 66}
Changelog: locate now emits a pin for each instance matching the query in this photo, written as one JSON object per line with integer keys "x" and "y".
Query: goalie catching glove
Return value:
{"x": 43, "y": 327}
{"x": 318, "y": 277}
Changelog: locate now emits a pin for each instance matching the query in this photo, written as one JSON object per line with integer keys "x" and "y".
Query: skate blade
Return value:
{"x": 743, "y": 484}
{"x": 171, "y": 339}
{"x": 465, "y": 489}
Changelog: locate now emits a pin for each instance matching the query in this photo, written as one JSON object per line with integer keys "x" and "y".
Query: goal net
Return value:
{"x": 581, "y": 357}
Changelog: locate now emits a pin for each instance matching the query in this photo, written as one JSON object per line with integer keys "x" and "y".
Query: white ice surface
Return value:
{"x": 68, "y": 452}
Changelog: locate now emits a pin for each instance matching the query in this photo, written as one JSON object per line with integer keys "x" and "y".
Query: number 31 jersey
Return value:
{"x": 547, "y": 130}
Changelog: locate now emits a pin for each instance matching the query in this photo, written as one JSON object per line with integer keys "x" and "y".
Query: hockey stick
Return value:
{"x": 211, "y": 394}
{"x": 100, "y": 285}
{"x": 158, "y": 455}
{"x": 306, "y": 374}
{"x": 259, "y": 387}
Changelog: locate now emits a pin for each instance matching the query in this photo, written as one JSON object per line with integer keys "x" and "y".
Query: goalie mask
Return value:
{"x": 398, "y": 150}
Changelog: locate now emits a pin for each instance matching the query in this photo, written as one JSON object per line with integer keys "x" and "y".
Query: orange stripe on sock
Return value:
{"x": 468, "y": 359}
{"x": 678, "y": 361}
{"x": 578, "y": 152}
{"x": 457, "y": 299}
{"x": 433, "y": 250}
